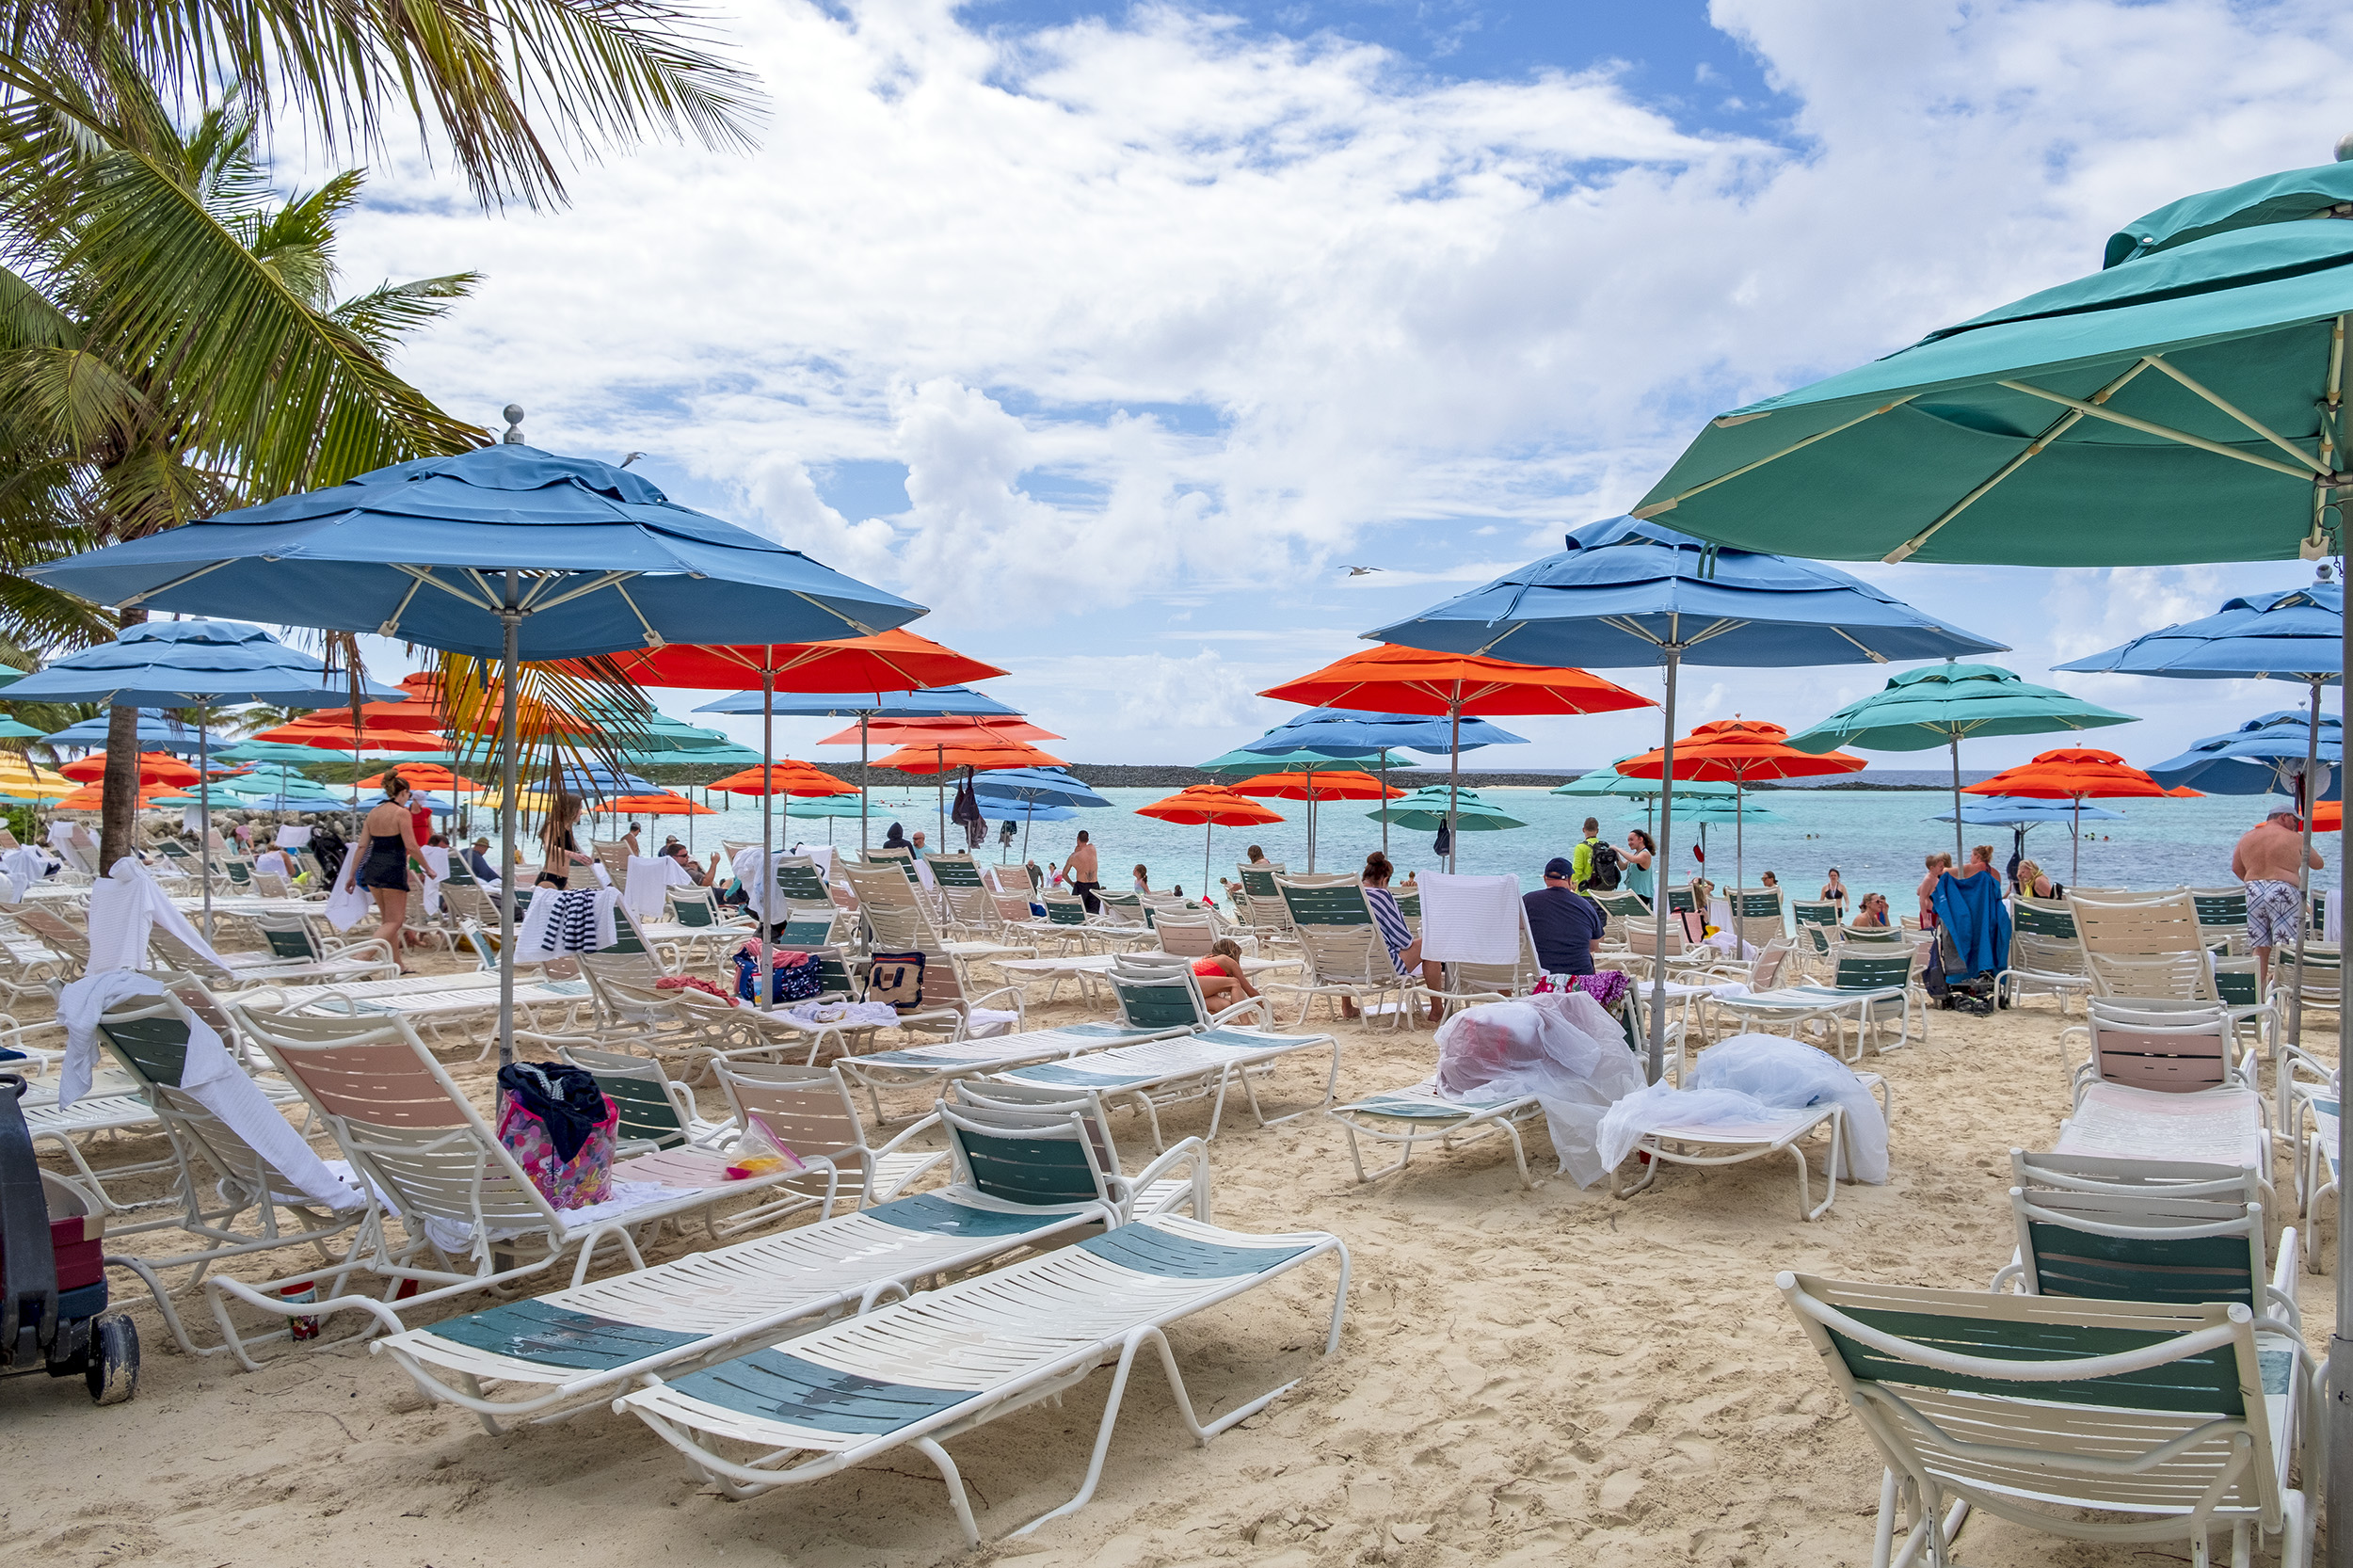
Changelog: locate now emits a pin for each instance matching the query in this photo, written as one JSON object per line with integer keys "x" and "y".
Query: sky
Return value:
{"x": 1116, "y": 333}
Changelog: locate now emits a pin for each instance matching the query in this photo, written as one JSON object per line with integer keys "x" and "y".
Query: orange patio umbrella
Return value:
{"x": 2071, "y": 773}
{"x": 893, "y": 661}
{"x": 432, "y": 776}
{"x": 665, "y": 805}
{"x": 977, "y": 730}
{"x": 1739, "y": 752}
{"x": 2329, "y": 817}
{"x": 2183, "y": 791}
{"x": 90, "y": 797}
{"x": 1389, "y": 678}
{"x": 155, "y": 767}
{"x": 981, "y": 756}
{"x": 786, "y": 775}
{"x": 1212, "y": 805}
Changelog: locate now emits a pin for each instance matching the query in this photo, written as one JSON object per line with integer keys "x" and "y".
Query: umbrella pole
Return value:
{"x": 1454, "y": 777}
{"x": 1660, "y": 883}
{"x": 204, "y": 814}
{"x": 1739, "y": 873}
{"x": 2306, "y": 799}
{"x": 2340, "y": 1412}
{"x": 1954, "y": 738}
{"x": 1208, "y": 831}
{"x": 763, "y": 983}
{"x": 939, "y": 778}
{"x": 865, "y": 782}
{"x": 2075, "y": 857}
{"x": 1384, "y": 802}
{"x": 510, "y": 625}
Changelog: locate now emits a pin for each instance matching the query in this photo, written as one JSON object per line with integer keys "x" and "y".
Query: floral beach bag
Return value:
{"x": 561, "y": 1129}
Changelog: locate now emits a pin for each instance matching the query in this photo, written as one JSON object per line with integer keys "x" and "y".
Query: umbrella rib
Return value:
{"x": 653, "y": 638}
{"x": 1717, "y": 629}
{"x": 602, "y": 580}
{"x": 1674, "y": 500}
{"x": 2248, "y": 420}
{"x": 2149, "y": 428}
{"x": 1874, "y": 655}
{"x": 426, "y": 577}
{"x": 390, "y": 625}
{"x": 167, "y": 588}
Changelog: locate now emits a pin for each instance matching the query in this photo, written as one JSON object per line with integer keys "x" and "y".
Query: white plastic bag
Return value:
{"x": 1745, "y": 1080}
{"x": 1560, "y": 1047}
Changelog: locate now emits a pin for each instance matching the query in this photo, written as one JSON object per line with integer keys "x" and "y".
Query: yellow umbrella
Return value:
{"x": 20, "y": 778}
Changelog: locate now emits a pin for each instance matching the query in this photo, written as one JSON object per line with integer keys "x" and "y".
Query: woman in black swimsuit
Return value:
{"x": 391, "y": 839}
{"x": 556, "y": 837}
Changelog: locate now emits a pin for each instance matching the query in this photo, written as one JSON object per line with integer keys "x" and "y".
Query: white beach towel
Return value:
{"x": 645, "y": 879}
{"x": 560, "y": 925}
{"x": 348, "y": 902}
{"x": 436, "y": 873}
{"x": 1471, "y": 919}
{"x": 294, "y": 838}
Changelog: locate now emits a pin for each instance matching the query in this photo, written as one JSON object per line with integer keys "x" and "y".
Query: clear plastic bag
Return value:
{"x": 1562, "y": 1048}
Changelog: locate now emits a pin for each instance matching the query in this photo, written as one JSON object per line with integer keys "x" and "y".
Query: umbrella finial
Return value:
{"x": 513, "y": 414}
{"x": 2344, "y": 147}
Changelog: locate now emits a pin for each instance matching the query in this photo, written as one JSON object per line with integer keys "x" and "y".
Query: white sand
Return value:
{"x": 1526, "y": 1376}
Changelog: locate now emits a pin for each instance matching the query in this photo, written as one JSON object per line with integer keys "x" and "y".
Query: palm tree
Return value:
{"x": 171, "y": 346}
{"x": 503, "y": 84}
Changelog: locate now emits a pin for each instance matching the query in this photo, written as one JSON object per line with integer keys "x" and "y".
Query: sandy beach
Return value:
{"x": 1524, "y": 1375}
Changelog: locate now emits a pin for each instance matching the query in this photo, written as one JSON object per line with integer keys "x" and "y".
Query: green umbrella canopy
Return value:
{"x": 1938, "y": 704}
{"x": 2179, "y": 405}
{"x": 1609, "y": 781}
{"x": 275, "y": 751}
{"x": 1723, "y": 813}
{"x": 11, "y": 731}
{"x": 1426, "y": 809}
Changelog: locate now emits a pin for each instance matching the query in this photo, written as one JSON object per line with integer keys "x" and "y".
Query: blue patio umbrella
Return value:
{"x": 1334, "y": 731}
{"x": 505, "y": 552}
{"x": 2020, "y": 813}
{"x": 156, "y": 733}
{"x": 595, "y": 779}
{"x": 1625, "y": 592}
{"x": 2292, "y": 634}
{"x": 193, "y": 663}
{"x": 1024, "y": 792}
{"x": 2264, "y": 756}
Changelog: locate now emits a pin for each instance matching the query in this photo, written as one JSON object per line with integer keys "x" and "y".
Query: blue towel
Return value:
{"x": 1974, "y": 916}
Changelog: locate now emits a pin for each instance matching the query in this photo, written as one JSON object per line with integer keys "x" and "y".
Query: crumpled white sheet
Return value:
{"x": 849, "y": 1015}
{"x": 1748, "y": 1079}
{"x": 1560, "y": 1047}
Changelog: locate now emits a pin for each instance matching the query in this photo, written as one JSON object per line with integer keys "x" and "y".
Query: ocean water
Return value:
{"x": 1876, "y": 839}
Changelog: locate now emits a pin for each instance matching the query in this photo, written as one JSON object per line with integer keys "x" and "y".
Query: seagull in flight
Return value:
{"x": 1363, "y": 571}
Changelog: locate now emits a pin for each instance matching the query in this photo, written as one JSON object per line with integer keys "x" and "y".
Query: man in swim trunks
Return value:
{"x": 2267, "y": 860}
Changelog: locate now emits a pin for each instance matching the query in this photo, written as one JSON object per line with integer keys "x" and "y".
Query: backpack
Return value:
{"x": 1605, "y": 868}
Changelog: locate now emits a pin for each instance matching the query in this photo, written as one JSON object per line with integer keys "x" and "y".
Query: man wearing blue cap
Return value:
{"x": 1564, "y": 921}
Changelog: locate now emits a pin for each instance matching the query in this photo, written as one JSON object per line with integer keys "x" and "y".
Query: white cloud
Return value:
{"x": 1385, "y": 299}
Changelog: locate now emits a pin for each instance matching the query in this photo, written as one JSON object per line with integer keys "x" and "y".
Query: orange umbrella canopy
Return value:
{"x": 979, "y": 756}
{"x": 658, "y": 806}
{"x": 430, "y": 777}
{"x": 483, "y": 711}
{"x": 980, "y": 730}
{"x": 1738, "y": 751}
{"x": 786, "y": 775}
{"x": 1316, "y": 786}
{"x": 1393, "y": 680}
{"x": 2183, "y": 791}
{"x": 2070, "y": 773}
{"x": 1212, "y": 804}
{"x": 90, "y": 797}
{"x": 894, "y": 661}
{"x": 2329, "y": 817}
{"x": 155, "y": 767}
{"x": 330, "y": 729}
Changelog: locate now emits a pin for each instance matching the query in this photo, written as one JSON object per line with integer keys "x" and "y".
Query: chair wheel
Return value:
{"x": 113, "y": 1375}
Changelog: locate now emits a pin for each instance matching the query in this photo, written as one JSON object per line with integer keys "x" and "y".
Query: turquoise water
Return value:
{"x": 1875, "y": 838}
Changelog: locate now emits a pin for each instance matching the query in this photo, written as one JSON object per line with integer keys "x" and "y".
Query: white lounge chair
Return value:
{"x": 1864, "y": 989}
{"x": 931, "y": 1068}
{"x": 1737, "y": 1143}
{"x": 2192, "y": 1425}
{"x": 949, "y": 1361}
{"x": 1416, "y": 1118}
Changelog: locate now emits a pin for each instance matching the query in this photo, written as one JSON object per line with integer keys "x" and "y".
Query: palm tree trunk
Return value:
{"x": 118, "y": 808}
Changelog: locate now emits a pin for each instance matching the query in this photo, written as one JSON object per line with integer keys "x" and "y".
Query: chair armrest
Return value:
{"x": 922, "y": 1124}
{"x": 2283, "y": 1285}
{"x": 1190, "y": 1152}
{"x": 1247, "y": 1004}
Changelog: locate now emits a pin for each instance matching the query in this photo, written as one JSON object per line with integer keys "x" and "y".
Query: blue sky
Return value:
{"x": 1115, "y": 333}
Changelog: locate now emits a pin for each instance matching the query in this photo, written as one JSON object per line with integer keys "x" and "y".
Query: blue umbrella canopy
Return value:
{"x": 939, "y": 702}
{"x": 1334, "y": 731}
{"x": 188, "y": 663}
{"x": 420, "y": 551}
{"x": 2264, "y": 756}
{"x": 2017, "y": 811}
{"x": 2295, "y": 634}
{"x": 595, "y": 778}
{"x": 1628, "y": 592}
{"x": 1625, "y": 592}
{"x": 1046, "y": 786}
{"x": 155, "y": 733}
{"x": 1308, "y": 759}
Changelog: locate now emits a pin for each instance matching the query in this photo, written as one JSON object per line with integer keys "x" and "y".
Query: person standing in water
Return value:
{"x": 1084, "y": 880}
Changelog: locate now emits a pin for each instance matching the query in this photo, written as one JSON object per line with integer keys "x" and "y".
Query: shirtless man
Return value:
{"x": 1084, "y": 881}
{"x": 2265, "y": 860}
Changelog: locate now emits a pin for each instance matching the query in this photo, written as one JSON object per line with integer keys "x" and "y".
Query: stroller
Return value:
{"x": 52, "y": 1274}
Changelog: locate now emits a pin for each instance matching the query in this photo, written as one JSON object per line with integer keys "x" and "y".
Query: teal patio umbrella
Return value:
{"x": 1425, "y": 809}
{"x": 1942, "y": 705}
{"x": 2184, "y": 404}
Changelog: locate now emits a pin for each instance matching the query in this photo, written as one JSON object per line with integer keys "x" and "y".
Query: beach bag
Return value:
{"x": 896, "y": 977}
{"x": 1605, "y": 868}
{"x": 561, "y": 1129}
{"x": 793, "y": 975}
{"x": 1694, "y": 926}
